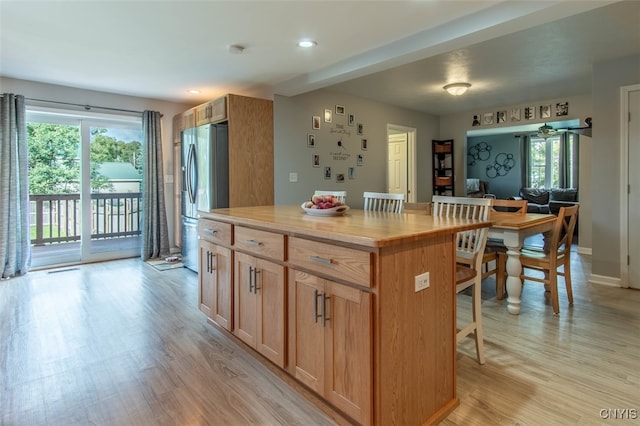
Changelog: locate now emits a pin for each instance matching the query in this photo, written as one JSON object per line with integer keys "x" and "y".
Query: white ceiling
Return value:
{"x": 397, "y": 52}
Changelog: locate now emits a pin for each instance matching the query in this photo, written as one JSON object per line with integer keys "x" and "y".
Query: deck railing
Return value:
{"x": 55, "y": 218}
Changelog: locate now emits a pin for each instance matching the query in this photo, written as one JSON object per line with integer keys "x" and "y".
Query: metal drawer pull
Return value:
{"x": 210, "y": 231}
{"x": 319, "y": 259}
{"x": 253, "y": 243}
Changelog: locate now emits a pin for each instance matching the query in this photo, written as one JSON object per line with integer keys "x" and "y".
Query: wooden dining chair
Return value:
{"x": 470, "y": 247}
{"x": 492, "y": 263}
{"x": 557, "y": 255}
{"x": 340, "y": 195}
{"x": 383, "y": 202}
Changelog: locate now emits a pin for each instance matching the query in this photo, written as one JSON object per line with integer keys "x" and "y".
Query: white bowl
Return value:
{"x": 334, "y": 211}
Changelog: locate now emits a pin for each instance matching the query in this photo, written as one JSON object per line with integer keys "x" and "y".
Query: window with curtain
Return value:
{"x": 553, "y": 162}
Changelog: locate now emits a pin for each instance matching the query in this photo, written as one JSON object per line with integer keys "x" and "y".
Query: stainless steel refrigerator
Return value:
{"x": 205, "y": 181}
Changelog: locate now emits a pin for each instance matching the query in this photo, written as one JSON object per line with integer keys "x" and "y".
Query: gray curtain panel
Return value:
{"x": 564, "y": 162}
{"x": 15, "y": 248}
{"x": 525, "y": 146}
{"x": 155, "y": 234}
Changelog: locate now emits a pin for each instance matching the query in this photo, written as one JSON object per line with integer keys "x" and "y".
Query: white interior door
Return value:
{"x": 397, "y": 164}
{"x": 633, "y": 212}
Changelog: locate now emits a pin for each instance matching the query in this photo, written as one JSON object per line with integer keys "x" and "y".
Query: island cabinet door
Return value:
{"x": 246, "y": 299}
{"x": 348, "y": 350}
{"x": 215, "y": 292}
{"x": 306, "y": 331}
{"x": 223, "y": 291}
{"x": 259, "y": 306}
{"x": 270, "y": 288}
{"x": 206, "y": 278}
{"x": 330, "y": 342}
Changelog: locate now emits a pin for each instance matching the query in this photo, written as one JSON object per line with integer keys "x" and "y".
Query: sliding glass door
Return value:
{"x": 85, "y": 176}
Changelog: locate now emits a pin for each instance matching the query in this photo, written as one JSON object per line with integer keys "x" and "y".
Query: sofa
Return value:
{"x": 547, "y": 200}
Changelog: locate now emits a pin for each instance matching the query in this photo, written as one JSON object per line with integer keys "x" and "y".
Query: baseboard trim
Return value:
{"x": 605, "y": 280}
{"x": 584, "y": 250}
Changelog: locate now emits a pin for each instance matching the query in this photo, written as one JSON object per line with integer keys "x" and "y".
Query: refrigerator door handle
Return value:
{"x": 192, "y": 174}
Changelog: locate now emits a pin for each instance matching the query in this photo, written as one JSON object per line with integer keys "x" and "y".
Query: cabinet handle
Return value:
{"x": 324, "y": 308}
{"x": 253, "y": 243}
{"x": 256, "y": 271}
{"x": 210, "y": 231}
{"x": 208, "y": 261}
{"x": 316, "y": 315}
{"x": 319, "y": 259}
{"x": 251, "y": 285}
{"x": 213, "y": 266}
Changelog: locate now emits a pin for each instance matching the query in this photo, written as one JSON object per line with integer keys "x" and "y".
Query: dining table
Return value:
{"x": 512, "y": 229}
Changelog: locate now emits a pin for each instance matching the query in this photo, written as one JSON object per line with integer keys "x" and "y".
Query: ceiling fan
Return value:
{"x": 547, "y": 131}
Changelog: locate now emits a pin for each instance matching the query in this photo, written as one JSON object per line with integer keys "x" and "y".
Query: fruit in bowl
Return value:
{"x": 323, "y": 202}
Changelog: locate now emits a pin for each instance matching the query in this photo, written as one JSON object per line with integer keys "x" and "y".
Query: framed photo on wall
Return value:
{"x": 487, "y": 118}
{"x": 327, "y": 172}
{"x": 545, "y": 111}
{"x": 515, "y": 114}
{"x": 530, "y": 113}
{"x": 315, "y": 122}
{"x": 316, "y": 160}
{"x": 339, "y": 110}
{"x": 562, "y": 108}
{"x": 311, "y": 140}
{"x": 328, "y": 116}
{"x": 352, "y": 120}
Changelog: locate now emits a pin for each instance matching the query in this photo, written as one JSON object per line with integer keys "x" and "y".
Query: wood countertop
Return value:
{"x": 359, "y": 227}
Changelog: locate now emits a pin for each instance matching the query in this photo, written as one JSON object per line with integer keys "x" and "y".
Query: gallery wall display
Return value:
{"x": 337, "y": 137}
{"x": 516, "y": 114}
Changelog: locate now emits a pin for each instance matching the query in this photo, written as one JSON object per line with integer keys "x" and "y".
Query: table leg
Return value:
{"x": 514, "y": 283}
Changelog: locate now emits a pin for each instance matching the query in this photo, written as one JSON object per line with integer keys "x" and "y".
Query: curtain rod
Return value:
{"x": 86, "y": 107}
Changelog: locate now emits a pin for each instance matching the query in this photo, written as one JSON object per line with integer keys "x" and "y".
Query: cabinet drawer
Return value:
{"x": 338, "y": 262}
{"x": 263, "y": 243}
{"x": 214, "y": 231}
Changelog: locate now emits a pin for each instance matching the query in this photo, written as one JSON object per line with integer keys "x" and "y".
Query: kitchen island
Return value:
{"x": 359, "y": 308}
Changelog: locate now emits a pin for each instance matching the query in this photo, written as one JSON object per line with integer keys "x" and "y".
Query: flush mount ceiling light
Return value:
{"x": 194, "y": 91}
{"x": 456, "y": 89}
{"x": 307, "y": 43}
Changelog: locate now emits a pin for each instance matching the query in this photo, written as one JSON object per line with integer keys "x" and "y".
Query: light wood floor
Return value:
{"x": 119, "y": 343}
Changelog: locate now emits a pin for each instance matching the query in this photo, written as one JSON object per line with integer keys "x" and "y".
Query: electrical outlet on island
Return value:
{"x": 422, "y": 281}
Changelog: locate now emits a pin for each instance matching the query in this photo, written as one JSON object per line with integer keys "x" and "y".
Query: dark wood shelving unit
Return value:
{"x": 442, "y": 153}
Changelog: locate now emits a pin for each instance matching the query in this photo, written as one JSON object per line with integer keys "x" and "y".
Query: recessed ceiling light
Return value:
{"x": 457, "y": 89}
{"x": 194, "y": 92}
{"x": 307, "y": 43}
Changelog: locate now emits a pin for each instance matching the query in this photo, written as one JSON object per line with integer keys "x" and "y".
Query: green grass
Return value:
{"x": 46, "y": 229}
